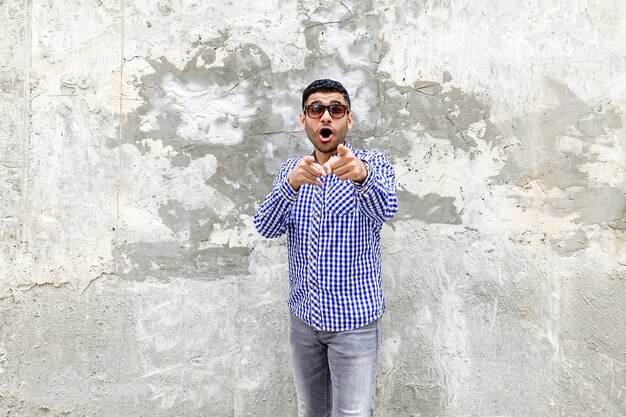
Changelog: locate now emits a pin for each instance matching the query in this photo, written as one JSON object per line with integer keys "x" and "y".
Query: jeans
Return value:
{"x": 334, "y": 372}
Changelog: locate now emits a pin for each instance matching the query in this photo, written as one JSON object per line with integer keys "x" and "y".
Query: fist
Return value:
{"x": 346, "y": 165}
{"x": 307, "y": 171}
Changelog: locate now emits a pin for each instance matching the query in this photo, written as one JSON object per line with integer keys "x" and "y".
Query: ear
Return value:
{"x": 302, "y": 125}
{"x": 350, "y": 120}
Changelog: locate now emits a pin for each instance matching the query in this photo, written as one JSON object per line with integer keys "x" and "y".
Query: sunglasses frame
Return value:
{"x": 345, "y": 108}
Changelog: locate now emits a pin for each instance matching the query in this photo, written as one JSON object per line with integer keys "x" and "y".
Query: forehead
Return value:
{"x": 326, "y": 98}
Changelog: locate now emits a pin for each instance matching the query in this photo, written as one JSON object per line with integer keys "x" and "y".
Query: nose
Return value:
{"x": 326, "y": 115}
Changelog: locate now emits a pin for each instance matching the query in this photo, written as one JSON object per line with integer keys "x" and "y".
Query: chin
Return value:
{"x": 327, "y": 147}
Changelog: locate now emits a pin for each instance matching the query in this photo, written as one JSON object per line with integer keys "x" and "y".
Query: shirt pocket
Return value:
{"x": 341, "y": 201}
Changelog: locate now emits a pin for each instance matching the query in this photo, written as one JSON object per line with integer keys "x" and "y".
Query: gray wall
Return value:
{"x": 137, "y": 138}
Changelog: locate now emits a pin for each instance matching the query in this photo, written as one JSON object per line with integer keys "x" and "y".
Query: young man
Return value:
{"x": 332, "y": 204}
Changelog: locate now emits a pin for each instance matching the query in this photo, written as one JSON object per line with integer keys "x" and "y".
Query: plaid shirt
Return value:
{"x": 334, "y": 242}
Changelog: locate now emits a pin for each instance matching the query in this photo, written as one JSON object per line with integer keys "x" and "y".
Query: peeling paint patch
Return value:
{"x": 431, "y": 208}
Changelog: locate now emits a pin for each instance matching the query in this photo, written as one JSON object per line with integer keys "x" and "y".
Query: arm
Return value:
{"x": 271, "y": 219}
{"x": 376, "y": 196}
{"x": 373, "y": 178}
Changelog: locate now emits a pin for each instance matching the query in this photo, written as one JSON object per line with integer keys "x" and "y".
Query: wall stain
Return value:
{"x": 270, "y": 133}
{"x": 542, "y": 157}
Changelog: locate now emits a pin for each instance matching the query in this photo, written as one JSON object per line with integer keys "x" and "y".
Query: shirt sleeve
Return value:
{"x": 272, "y": 217}
{"x": 376, "y": 196}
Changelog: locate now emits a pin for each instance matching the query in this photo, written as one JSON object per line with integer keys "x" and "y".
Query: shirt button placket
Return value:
{"x": 316, "y": 220}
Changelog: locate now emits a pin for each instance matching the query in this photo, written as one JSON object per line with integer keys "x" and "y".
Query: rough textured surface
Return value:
{"x": 136, "y": 139}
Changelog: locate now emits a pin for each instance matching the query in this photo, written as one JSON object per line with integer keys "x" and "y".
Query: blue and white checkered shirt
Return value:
{"x": 333, "y": 236}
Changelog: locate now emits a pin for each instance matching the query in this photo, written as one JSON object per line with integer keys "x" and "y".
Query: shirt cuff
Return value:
{"x": 287, "y": 192}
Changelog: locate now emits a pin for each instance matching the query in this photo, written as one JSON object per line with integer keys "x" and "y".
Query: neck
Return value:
{"x": 321, "y": 157}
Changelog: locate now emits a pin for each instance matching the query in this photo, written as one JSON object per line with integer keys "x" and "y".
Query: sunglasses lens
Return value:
{"x": 315, "y": 110}
{"x": 337, "y": 111}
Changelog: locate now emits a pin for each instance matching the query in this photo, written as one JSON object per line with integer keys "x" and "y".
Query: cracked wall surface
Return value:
{"x": 137, "y": 138}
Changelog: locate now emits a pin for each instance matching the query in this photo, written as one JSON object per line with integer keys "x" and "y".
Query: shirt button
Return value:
{"x": 312, "y": 286}
{"x": 313, "y": 237}
{"x": 318, "y": 191}
{"x": 316, "y": 213}
{"x": 312, "y": 261}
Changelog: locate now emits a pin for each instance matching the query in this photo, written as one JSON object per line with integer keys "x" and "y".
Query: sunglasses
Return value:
{"x": 336, "y": 111}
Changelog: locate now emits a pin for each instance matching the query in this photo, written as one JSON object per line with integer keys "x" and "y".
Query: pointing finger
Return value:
{"x": 310, "y": 165}
{"x": 316, "y": 169}
{"x": 342, "y": 150}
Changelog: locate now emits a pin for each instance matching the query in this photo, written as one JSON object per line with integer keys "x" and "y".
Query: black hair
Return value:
{"x": 325, "y": 86}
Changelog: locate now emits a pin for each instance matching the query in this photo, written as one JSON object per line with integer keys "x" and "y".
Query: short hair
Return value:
{"x": 325, "y": 86}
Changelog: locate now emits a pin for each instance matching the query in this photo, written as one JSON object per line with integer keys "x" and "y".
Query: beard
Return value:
{"x": 327, "y": 147}
{"x": 323, "y": 145}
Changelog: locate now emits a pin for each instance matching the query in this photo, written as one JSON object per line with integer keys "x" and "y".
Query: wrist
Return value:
{"x": 366, "y": 171}
{"x": 291, "y": 183}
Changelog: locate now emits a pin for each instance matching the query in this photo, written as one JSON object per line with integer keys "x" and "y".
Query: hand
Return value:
{"x": 307, "y": 171}
{"x": 346, "y": 165}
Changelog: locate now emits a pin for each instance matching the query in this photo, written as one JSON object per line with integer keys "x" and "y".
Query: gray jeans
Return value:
{"x": 335, "y": 372}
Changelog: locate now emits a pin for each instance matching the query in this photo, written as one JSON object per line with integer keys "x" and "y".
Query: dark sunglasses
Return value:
{"x": 315, "y": 111}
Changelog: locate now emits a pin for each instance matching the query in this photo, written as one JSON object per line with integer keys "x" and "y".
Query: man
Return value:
{"x": 332, "y": 204}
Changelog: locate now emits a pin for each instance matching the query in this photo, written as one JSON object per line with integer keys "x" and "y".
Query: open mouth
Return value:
{"x": 326, "y": 132}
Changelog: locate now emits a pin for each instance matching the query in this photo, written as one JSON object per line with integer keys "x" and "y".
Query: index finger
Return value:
{"x": 342, "y": 150}
{"x": 309, "y": 159}
{"x": 311, "y": 165}
{"x": 331, "y": 164}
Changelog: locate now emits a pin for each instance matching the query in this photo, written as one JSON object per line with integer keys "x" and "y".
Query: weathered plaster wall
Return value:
{"x": 137, "y": 137}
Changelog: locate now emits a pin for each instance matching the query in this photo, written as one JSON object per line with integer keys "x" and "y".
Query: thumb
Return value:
{"x": 328, "y": 167}
{"x": 342, "y": 150}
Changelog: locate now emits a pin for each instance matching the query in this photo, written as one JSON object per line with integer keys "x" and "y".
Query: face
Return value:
{"x": 326, "y": 133}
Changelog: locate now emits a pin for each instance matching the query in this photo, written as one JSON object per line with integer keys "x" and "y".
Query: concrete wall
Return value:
{"x": 136, "y": 139}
